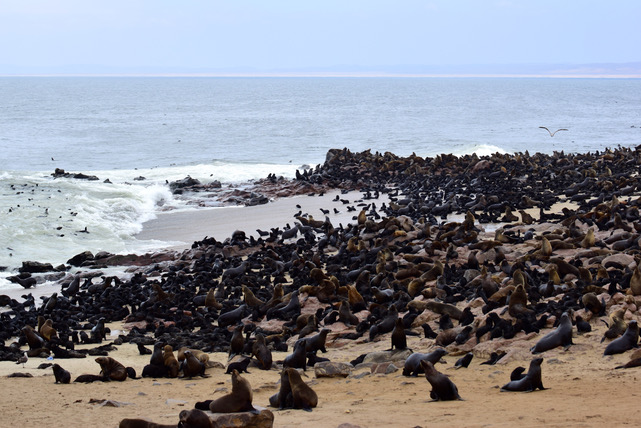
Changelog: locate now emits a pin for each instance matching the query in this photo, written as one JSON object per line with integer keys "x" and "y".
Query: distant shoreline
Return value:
{"x": 333, "y": 75}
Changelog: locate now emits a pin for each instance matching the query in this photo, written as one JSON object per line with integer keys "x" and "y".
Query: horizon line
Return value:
{"x": 341, "y": 74}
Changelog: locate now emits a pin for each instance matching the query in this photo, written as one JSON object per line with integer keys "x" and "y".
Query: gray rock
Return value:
{"x": 387, "y": 356}
{"x": 332, "y": 369}
{"x": 262, "y": 418}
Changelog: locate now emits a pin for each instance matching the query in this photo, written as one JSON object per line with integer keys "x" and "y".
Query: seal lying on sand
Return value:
{"x": 626, "y": 342}
{"x": 530, "y": 382}
{"x": 561, "y": 336}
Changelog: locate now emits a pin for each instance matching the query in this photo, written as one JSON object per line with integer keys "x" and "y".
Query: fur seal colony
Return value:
{"x": 445, "y": 254}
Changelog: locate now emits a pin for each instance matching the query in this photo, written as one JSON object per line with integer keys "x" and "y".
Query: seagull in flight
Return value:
{"x": 552, "y": 133}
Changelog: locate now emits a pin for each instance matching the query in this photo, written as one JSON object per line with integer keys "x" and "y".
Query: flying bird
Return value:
{"x": 552, "y": 133}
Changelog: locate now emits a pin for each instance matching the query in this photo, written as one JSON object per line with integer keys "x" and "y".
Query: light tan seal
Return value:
{"x": 170, "y": 361}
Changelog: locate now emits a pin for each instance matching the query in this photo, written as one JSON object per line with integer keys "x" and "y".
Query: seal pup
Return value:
{"x": 530, "y": 382}
{"x": 626, "y": 342}
{"x": 464, "y": 361}
{"x": 241, "y": 366}
{"x": 239, "y": 400}
{"x": 111, "y": 369}
{"x": 560, "y": 336}
{"x": 443, "y": 389}
{"x": 61, "y": 375}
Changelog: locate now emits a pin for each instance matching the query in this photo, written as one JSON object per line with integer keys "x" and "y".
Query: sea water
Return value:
{"x": 136, "y": 134}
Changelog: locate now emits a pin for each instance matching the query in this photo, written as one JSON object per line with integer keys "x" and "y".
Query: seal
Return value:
{"x": 239, "y": 400}
{"x": 241, "y": 366}
{"x": 61, "y": 375}
{"x": 399, "y": 339}
{"x": 298, "y": 357}
{"x": 303, "y": 397}
{"x": 443, "y": 389}
{"x": 413, "y": 366}
{"x": 156, "y": 358}
{"x": 192, "y": 366}
{"x": 530, "y": 382}
{"x": 170, "y": 361}
{"x": 626, "y": 342}
{"x": 111, "y": 369}
{"x": 464, "y": 361}
{"x": 237, "y": 342}
{"x": 194, "y": 418}
{"x": 141, "y": 423}
{"x": 560, "y": 336}
{"x": 262, "y": 353}
{"x": 317, "y": 342}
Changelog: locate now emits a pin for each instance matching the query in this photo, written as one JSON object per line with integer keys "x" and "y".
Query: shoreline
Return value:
{"x": 575, "y": 261}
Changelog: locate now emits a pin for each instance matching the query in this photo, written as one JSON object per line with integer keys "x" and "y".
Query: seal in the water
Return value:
{"x": 560, "y": 336}
{"x": 626, "y": 342}
{"x": 530, "y": 382}
{"x": 413, "y": 362}
{"x": 111, "y": 369}
{"x": 239, "y": 400}
{"x": 61, "y": 375}
{"x": 443, "y": 389}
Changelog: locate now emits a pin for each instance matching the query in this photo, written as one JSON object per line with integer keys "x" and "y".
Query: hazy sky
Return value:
{"x": 282, "y": 34}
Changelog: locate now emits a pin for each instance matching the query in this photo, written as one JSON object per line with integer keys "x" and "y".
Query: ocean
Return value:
{"x": 141, "y": 132}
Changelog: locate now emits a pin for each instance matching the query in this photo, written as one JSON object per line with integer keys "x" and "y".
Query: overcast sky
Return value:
{"x": 295, "y": 34}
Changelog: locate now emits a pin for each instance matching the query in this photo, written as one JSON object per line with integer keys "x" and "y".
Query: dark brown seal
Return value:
{"x": 413, "y": 366}
{"x": 194, "y": 419}
{"x": 262, "y": 353}
{"x": 626, "y": 342}
{"x": 192, "y": 366}
{"x": 61, "y": 375}
{"x": 443, "y": 389}
{"x": 239, "y": 400}
{"x": 530, "y": 382}
{"x": 560, "y": 336}
{"x": 111, "y": 369}
{"x": 303, "y": 397}
{"x": 141, "y": 423}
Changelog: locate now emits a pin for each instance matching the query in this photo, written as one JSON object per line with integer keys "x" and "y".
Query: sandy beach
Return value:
{"x": 583, "y": 388}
